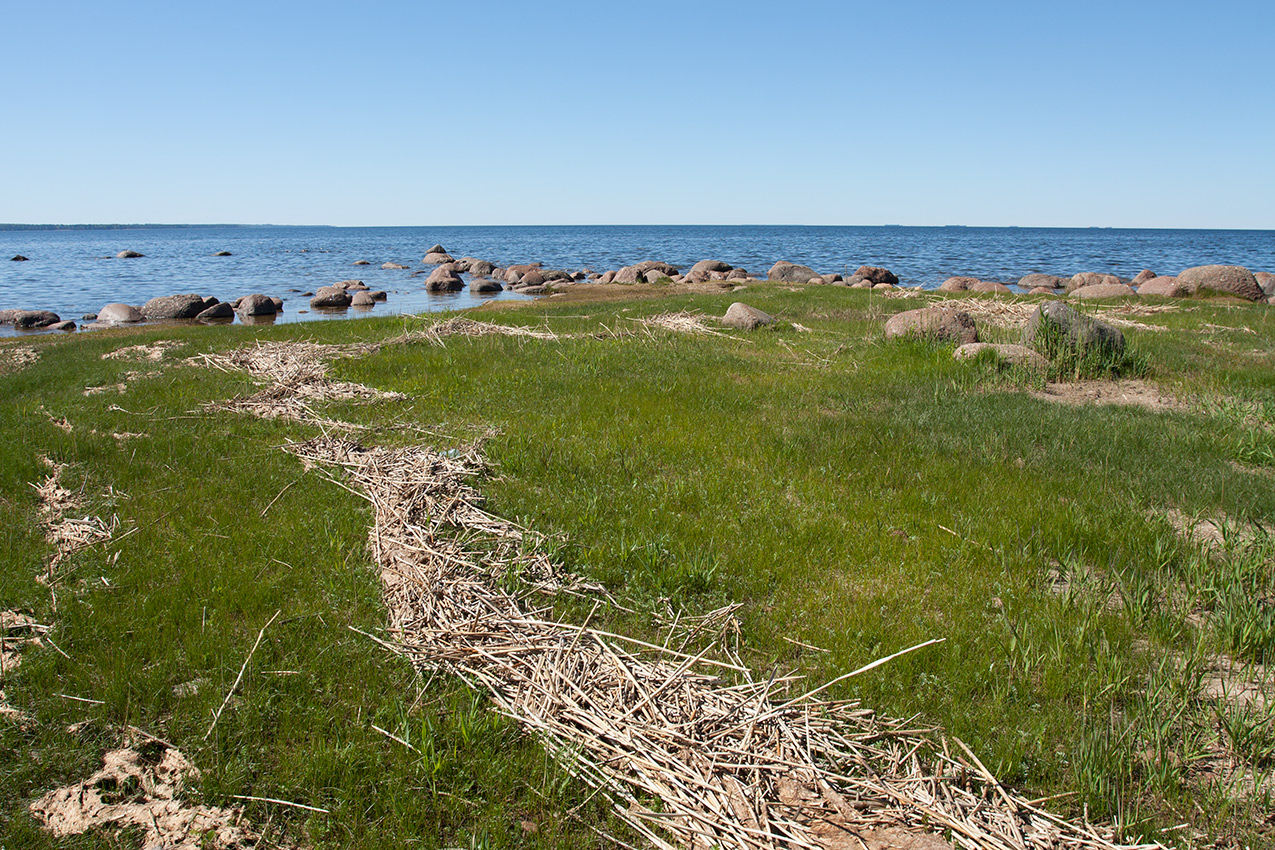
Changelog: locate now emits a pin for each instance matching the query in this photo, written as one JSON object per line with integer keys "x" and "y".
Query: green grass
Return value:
{"x": 857, "y": 495}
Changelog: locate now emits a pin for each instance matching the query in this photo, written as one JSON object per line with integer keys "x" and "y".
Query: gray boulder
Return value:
{"x": 392, "y": 266}
{"x": 790, "y": 272}
{"x": 1036, "y": 280}
{"x": 1222, "y": 280}
{"x": 435, "y": 258}
{"x": 7, "y": 316}
{"x": 256, "y": 305}
{"x": 186, "y": 306}
{"x": 119, "y": 314}
{"x": 67, "y": 325}
{"x": 437, "y": 249}
{"x": 362, "y": 298}
{"x": 330, "y": 298}
{"x": 638, "y": 271}
{"x": 128, "y": 255}
{"x": 483, "y": 284}
{"x": 1057, "y": 326}
{"x": 940, "y": 322}
{"x": 740, "y": 315}
{"x": 217, "y": 312}
{"x": 30, "y": 319}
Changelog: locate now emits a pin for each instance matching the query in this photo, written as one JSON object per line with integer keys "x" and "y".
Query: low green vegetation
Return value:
{"x": 1102, "y": 574}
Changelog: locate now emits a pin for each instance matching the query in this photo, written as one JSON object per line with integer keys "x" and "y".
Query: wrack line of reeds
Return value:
{"x": 689, "y": 746}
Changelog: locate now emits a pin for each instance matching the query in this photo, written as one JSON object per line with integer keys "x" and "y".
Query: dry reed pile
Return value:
{"x": 686, "y": 321}
{"x": 297, "y": 376}
{"x": 15, "y": 358}
{"x": 692, "y": 749}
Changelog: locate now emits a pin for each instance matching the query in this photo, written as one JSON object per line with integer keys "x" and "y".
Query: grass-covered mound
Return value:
{"x": 856, "y": 495}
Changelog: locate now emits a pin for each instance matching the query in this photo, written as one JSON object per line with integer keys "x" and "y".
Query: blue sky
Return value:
{"x": 1125, "y": 114}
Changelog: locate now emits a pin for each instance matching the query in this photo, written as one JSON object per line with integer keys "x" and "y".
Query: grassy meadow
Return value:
{"x": 1101, "y": 574}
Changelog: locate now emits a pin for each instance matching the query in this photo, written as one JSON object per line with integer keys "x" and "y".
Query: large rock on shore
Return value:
{"x": 707, "y": 266}
{"x": 1055, "y": 327}
{"x": 186, "y": 306}
{"x": 1142, "y": 277}
{"x": 1165, "y": 285}
{"x": 958, "y": 284}
{"x": 1104, "y": 290}
{"x": 1037, "y": 280}
{"x": 877, "y": 274}
{"x": 1083, "y": 279}
{"x": 1222, "y": 280}
{"x": 330, "y": 298}
{"x": 256, "y": 305}
{"x": 790, "y": 272}
{"x": 940, "y": 322}
{"x": 1266, "y": 280}
{"x": 990, "y": 287}
{"x": 740, "y": 315}
{"x": 119, "y": 314}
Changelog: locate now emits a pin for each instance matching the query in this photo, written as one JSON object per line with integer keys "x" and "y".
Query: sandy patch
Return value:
{"x": 1130, "y": 391}
{"x": 154, "y": 352}
{"x": 140, "y": 786}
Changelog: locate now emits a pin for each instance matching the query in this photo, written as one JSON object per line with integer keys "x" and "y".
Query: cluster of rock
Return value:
{"x": 35, "y": 320}
{"x": 346, "y": 293}
{"x": 1054, "y": 327}
{"x": 189, "y": 306}
{"x": 1233, "y": 281}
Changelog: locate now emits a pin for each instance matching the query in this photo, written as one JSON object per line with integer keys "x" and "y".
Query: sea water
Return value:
{"x": 75, "y": 272}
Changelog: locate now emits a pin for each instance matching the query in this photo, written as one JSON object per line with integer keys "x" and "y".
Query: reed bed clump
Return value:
{"x": 693, "y": 749}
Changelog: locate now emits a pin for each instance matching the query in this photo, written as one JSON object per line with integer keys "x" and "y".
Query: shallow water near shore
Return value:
{"x": 74, "y": 272}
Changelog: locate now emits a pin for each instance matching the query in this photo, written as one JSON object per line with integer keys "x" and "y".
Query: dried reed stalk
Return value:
{"x": 692, "y": 749}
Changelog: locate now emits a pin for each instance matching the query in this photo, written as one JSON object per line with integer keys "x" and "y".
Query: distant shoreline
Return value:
{"x": 28, "y": 227}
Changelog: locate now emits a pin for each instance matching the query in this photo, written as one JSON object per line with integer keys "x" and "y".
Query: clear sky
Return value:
{"x": 408, "y": 112}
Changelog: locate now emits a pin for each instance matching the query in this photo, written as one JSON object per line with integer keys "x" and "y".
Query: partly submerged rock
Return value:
{"x": 483, "y": 284}
{"x": 746, "y": 318}
{"x": 186, "y": 306}
{"x": 128, "y": 255}
{"x": 216, "y": 312}
{"x": 256, "y": 305}
{"x": 444, "y": 279}
{"x": 18, "y": 258}
{"x": 119, "y": 314}
{"x": 940, "y": 322}
{"x": 31, "y": 319}
{"x": 1037, "y": 279}
{"x": 330, "y": 298}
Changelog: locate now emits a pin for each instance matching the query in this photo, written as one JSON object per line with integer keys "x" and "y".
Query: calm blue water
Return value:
{"x": 67, "y": 272}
